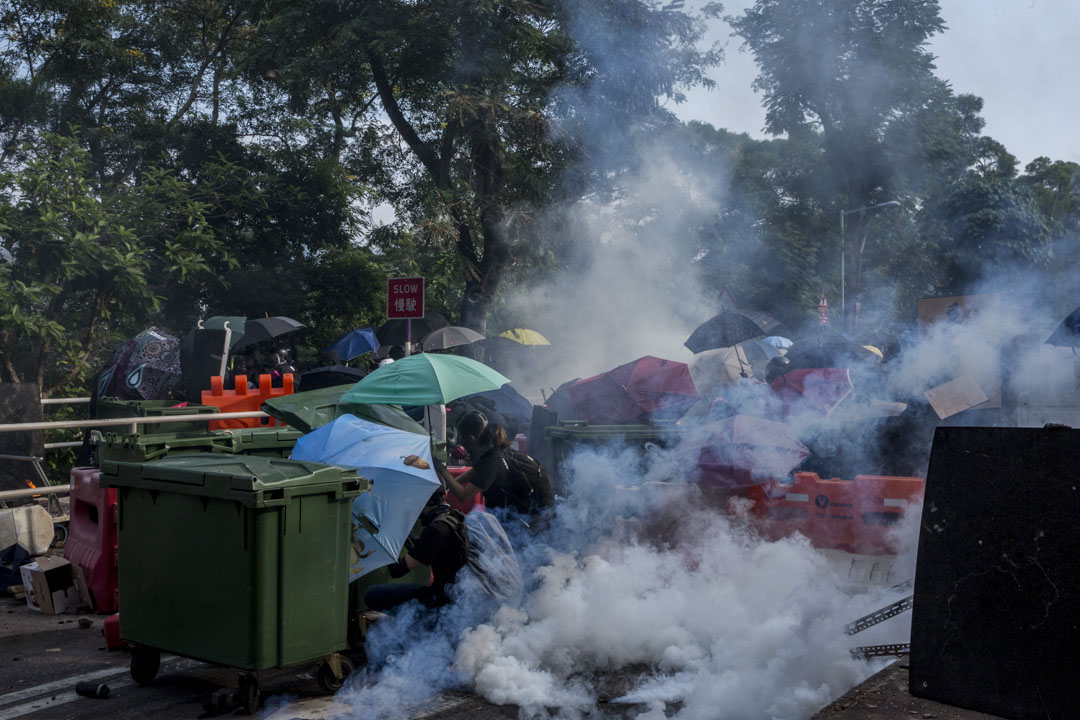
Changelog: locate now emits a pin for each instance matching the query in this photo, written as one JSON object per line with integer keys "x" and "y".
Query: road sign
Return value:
{"x": 405, "y": 298}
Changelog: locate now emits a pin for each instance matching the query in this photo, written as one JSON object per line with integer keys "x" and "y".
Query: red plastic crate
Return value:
{"x": 856, "y": 515}
{"x": 91, "y": 542}
{"x": 464, "y": 507}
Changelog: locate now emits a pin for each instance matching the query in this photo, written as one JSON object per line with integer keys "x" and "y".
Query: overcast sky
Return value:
{"x": 1020, "y": 56}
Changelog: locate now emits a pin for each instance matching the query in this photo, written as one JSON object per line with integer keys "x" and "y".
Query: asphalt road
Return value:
{"x": 43, "y": 657}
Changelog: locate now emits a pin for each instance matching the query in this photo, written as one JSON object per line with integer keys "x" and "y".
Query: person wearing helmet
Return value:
{"x": 442, "y": 545}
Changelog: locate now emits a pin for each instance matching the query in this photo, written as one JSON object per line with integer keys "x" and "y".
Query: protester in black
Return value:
{"x": 442, "y": 545}
{"x": 505, "y": 477}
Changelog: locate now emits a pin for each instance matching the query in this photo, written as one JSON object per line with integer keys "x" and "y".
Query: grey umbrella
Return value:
{"x": 451, "y": 336}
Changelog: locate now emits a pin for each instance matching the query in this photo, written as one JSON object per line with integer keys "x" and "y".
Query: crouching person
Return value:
{"x": 443, "y": 546}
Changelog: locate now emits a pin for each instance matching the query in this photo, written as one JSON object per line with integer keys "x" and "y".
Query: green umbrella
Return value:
{"x": 425, "y": 379}
{"x": 306, "y": 411}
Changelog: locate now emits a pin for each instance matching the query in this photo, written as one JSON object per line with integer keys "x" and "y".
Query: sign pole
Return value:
{"x": 405, "y": 301}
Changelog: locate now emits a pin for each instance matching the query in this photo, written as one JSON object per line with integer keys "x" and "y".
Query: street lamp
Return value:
{"x": 843, "y": 247}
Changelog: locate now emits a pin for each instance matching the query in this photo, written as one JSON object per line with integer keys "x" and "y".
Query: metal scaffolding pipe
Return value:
{"x": 33, "y": 492}
{"x": 65, "y": 401}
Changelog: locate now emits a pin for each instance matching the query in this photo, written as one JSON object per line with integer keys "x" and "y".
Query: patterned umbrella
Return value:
{"x": 147, "y": 367}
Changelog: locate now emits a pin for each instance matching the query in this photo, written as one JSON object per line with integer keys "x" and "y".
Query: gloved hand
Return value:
{"x": 398, "y": 569}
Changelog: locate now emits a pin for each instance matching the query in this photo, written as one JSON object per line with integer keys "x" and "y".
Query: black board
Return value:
{"x": 996, "y": 609}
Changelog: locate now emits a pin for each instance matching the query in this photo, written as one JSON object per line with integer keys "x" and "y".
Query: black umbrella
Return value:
{"x": 828, "y": 350}
{"x": 1067, "y": 333}
{"x": 731, "y": 327}
{"x": 268, "y": 328}
{"x": 392, "y": 332}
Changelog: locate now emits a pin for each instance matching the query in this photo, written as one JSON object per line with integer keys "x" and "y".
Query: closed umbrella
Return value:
{"x": 352, "y": 345}
{"x": 451, "y": 336}
{"x": 260, "y": 329}
{"x": 402, "y": 478}
{"x": 425, "y": 379}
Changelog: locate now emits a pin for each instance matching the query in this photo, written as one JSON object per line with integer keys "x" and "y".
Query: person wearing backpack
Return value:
{"x": 443, "y": 545}
{"x": 507, "y": 478}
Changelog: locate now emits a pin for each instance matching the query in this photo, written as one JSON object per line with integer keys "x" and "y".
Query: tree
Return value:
{"x": 485, "y": 100}
{"x": 850, "y": 70}
{"x": 85, "y": 265}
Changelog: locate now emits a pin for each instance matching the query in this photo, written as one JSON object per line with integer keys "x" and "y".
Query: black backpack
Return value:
{"x": 531, "y": 488}
{"x": 454, "y": 521}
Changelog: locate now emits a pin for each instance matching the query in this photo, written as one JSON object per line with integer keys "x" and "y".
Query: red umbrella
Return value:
{"x": 741, "y": 450}
{"x": 811, "y": 393}
{"x": 647, "y": 387}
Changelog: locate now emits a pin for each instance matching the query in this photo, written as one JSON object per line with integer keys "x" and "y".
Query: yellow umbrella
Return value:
{"x": 525, "y": 337}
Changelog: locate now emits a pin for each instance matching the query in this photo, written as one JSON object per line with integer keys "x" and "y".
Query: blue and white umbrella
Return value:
{"x": 780, "y": 343}
{"x": 399, "y": 465}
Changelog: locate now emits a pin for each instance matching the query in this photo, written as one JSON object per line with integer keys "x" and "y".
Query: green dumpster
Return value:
{"x": 237, "y": 560}
{"x": 110, "y": 407}
{"x": 128, "y": 447}
{"x": 570, "y": 435}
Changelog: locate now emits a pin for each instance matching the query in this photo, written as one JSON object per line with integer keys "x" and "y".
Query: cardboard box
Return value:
{"x": 53, "y": 586}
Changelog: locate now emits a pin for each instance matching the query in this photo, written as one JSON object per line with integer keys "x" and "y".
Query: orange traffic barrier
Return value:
{"x": 858, "y": 515}
{"x": 244, "y": 399}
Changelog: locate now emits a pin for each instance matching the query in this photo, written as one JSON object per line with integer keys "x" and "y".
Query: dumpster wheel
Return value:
{"x": 145, "y": 663}
{"x": 330, "y": 682}
{"x": 248, "y": 693}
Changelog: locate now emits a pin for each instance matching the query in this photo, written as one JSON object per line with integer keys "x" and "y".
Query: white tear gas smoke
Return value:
{"x": 681, "y": 602}
{"x": 642, "y": 593}
{"x": 632, "y": 293}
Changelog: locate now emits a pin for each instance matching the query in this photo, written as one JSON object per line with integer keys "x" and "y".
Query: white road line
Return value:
{"x": 58, "y": 699}
{"x": 66, "y": 683}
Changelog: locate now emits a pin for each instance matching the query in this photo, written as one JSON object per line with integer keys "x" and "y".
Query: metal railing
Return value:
{"x": 131, "y": 422}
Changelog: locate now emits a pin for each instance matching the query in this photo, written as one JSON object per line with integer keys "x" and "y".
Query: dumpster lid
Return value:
{"x": 215, "y": 473}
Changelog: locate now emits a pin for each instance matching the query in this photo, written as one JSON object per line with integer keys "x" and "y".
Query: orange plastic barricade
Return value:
{"x": 856, "y": 515}
{"x": 244, "y": 399}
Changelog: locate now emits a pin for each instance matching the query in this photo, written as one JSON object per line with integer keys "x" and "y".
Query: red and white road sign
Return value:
{"x": 405, "y": 298}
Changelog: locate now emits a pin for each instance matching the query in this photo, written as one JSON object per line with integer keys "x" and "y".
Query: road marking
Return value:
{"x": 13, "y": 697}
{"x": 39, "y": 705}
{"x": 69, "y": 695}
